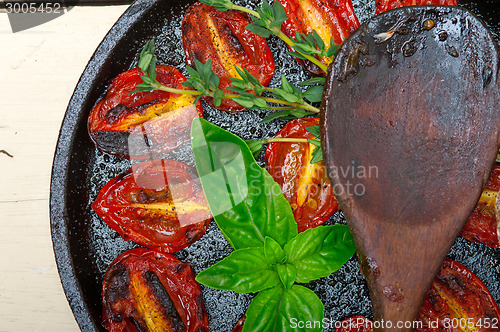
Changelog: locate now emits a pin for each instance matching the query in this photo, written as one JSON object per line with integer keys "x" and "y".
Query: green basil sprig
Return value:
{"x": 270, "y": 256}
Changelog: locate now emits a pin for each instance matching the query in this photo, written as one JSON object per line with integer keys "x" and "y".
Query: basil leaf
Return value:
{"x": 277, "y": 309}
{"x": 243, "y": 271}
{"x": 246, "y": 203}
{"x": 320, "y": 251}
{"x": 287, "y": 274}
{"x": 273, "y": 251}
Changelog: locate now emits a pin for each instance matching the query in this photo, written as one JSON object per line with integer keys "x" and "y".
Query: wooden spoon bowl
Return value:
{"x": 410, "y": 130}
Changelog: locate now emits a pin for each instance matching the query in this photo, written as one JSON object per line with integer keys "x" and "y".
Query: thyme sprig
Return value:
{"x": 257, "y": 145}
{"x": 317, "y": 153}
{"x": 293, "y": 95}
{"x": 267, "y": 21}
{"x": 312, "y": 44}
{"x": 206, "y": 83}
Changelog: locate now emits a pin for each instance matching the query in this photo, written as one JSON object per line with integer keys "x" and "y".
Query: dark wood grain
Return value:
{"x": 420, "y": 108}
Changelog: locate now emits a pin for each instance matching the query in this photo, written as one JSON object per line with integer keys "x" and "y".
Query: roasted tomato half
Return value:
{"x": 483, "y": 225}
{"x": 458, "y": 301}
{"x": 330, "y": 18}
{"x": 355, "y": 324}
{"x": 144, "y": 290}
{"x": 158, "y": 204}
{"x": 239, "y": 326}
{"x": 305, "y": 185}
{"x": 383, "y": 5}
{"x": 143, "y": 124}
{"x": 210, "y": 34}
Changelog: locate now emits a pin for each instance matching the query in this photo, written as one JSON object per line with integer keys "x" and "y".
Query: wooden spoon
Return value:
{"x": 410, "y": 130}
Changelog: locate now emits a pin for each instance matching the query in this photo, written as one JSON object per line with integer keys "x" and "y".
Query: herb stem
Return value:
{"x": 285, "y": 140}
{"x": 190, "y": 92}
{"x": 302, "y": 105}
{"x": 177, "y": 91}
{"x": 246, "y": 10}
{"x": 280, "y": 108}
{"x": 291, "y": 43}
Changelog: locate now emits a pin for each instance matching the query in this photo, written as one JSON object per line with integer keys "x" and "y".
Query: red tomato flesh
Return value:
{"x": 330, "y": 18}
{"x": 483, "y": 225}
{"x": 143, "y": 124}
{"x": 458, "y": 301}
{"x": 158, "y": 204}
{"x": 144, "y": 290}
{"x": 384, "y": 5}
{"x": 210, "y": 34}
{"x": 305, "y": 185}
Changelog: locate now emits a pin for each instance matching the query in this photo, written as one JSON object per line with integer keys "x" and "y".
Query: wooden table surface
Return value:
{"x": 39, "y": 69}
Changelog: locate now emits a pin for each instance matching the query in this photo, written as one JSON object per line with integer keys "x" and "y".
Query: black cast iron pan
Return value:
{"x": 84, "y": 246}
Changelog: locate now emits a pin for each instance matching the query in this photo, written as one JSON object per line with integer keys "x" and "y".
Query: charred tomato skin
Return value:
{"x": 210, "y": 34}
{"x": 158, "y": 204}
{"x": 483, "y": 225}
{"x": 144, "y": 288}
{"x": 153, "y": 121}
{"x": 305, "y": 186}
{"x": 457, "y": 293}
{"x": 355, "y": 324}
{"x": 384, "y": 5}
{"x": 335, "y": 18}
